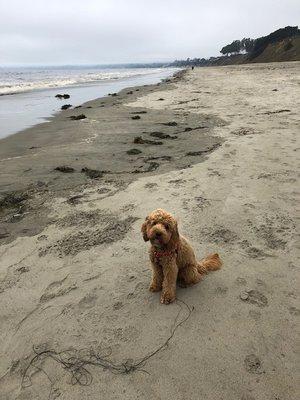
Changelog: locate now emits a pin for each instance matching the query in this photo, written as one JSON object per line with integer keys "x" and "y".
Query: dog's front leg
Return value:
{"x": 157, "y": 278}
{"x": 170, "y": 271}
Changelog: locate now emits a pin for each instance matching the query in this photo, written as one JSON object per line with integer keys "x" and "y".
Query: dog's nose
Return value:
{"x": 158, "y": 234}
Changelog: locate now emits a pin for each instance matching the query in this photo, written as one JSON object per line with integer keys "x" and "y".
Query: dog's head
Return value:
{"x": 160, "y": 228}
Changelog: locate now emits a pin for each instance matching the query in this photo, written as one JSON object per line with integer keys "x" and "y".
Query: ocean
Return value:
{"x": 27, "y": 95}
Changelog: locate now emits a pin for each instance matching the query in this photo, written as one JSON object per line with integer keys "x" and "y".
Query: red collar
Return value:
{"x": 164, "y": 253}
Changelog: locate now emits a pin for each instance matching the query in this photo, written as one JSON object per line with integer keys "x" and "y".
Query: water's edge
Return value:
{"x": 24, "y": 110}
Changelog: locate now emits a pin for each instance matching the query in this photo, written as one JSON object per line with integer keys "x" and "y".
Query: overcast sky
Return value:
{"x": 121, "y": 31}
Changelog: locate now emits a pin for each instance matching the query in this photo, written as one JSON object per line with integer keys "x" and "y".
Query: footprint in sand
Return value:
{"x": 118, "y": 305}
{"x": 254, "y": 297}
{"x": 253, "y": 364}
{"x": 294, "y": 311}
{"x": 57, "y": 289}
{"x": 87, "y": 301}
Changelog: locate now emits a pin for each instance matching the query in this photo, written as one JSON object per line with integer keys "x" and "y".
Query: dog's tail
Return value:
{"x": 210, "y": 263}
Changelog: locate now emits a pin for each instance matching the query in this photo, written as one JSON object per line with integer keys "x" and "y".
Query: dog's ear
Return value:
{"x": 175, "y": 230}
{"x": 175, "y": 235}
{"x": 144, "y": 230}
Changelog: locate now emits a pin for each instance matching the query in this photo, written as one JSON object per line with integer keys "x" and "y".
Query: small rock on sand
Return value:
{"x": 140, "y": 140}
{"x": 133, "y": 151}
{"x": 77, "y": 117}
{"x": 172, "y": 123}
{"x": 92, "y": 173}
{"x": 66, "y": 106}
{"x": 64, "y": 168}
{"x": 62, "y": 96}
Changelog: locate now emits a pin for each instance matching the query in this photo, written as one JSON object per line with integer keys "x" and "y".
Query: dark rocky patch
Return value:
{"x": 13, "y": 199}
{"x": 136, "y": 117}
{"x": 206, "y": 151}
{"x": 140, "y": 140}
{"x": 77, "y": 117}
{"x": 66, "y": 106}
{"x": 163, "y": 158}
{"x": 65, "y": 169}
{"x": 189, "y": 129}
{"x": 244, "y": 131}
{"x": 162, "y": 135}
{"x": 133, "y": 151}
{"x": 92, "y": 173}
{"x": 152, "y": 166}
{"x": 276, "y": 112}
{"x": 130, "y": 92}
{"x": 172, "y": 123}
{"x": 161, "y": 99}
{"x": 103, "y": 190}
{"x": 151, "y": 185}
{"x": 177, "y": 181}
{"x": 139, "y": 112}
{"x": 74, "y": 199}
{"x": 62, "y": 96}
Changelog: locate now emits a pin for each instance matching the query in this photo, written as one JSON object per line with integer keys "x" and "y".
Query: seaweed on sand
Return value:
{"x": 76, "y": 362}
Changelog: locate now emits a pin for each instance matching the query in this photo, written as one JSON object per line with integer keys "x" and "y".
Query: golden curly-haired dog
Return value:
{"x": 172, "y": 257}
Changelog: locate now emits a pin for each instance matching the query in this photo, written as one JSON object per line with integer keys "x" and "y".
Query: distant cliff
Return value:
{"x": 281, "y": 45}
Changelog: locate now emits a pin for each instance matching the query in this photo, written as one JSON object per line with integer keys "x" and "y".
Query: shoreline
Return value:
{"x": 35, "y": 106}
{"x": 61, "y": 156}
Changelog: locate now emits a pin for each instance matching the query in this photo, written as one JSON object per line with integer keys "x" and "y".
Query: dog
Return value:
{"x": 172, "y": 257}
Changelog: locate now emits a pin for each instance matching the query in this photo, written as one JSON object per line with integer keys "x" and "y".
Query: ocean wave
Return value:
{"x": 10, "y": 82}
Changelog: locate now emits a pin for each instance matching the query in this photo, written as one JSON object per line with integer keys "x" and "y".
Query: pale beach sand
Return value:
{"x": 74, "y": 271}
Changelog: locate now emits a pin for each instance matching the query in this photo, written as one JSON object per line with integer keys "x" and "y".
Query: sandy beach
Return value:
{"x": 215, "y": 146}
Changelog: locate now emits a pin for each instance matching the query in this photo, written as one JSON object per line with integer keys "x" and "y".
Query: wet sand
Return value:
{"x": 74, "y": 270}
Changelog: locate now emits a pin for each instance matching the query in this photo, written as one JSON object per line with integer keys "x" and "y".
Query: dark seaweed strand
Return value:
{"x": 76, "y": 366}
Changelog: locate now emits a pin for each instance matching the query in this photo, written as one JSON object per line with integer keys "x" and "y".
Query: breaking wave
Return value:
{"x": 13, "y": 81}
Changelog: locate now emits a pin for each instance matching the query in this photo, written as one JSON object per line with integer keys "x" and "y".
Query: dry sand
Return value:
{"x": 73, "y": 267}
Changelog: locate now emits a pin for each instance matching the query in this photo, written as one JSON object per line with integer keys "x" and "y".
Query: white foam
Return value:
{"x": 18, "y": 82}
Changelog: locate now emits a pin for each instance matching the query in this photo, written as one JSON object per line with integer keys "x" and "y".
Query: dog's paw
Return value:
{"x": 167, "y": 298}
{"x": 154, "y": 288}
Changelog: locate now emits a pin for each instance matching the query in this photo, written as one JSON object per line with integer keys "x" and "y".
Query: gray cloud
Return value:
{"x": 113, "y": 31}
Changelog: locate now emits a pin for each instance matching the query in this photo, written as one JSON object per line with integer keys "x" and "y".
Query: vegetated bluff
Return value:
{"x": 280, "y": 45}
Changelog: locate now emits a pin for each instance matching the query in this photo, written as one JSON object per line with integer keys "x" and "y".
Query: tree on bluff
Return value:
{"x": 247, "y": 44}
{"x": 232, "y": 48}
{"x": 237, "y": 46}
